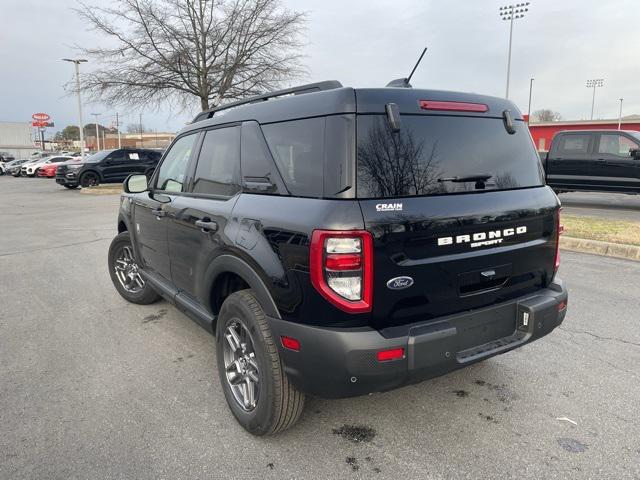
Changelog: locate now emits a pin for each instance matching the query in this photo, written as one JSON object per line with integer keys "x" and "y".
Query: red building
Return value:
{"x": 543, "y": 133}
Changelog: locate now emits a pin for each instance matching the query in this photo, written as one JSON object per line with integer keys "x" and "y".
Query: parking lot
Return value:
{"x": 94, "y": 387}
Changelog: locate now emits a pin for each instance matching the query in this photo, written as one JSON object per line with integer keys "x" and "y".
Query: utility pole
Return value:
{"x": 77, "y": 63}
{"x": 118, "y": 128}
{"x": 96, "y": 115}
{"x": 620, "y": 114}
{"x": 141, "y": 140}
{"x": 529, "y": 109}
{"x": 510, "y": 13}
{"x": 594, "y": 83}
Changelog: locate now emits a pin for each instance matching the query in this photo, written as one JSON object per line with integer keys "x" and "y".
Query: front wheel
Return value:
{"x": 255, "y": 385}
{"x": 89, "y": 179}
{"x": 125, "y": 274}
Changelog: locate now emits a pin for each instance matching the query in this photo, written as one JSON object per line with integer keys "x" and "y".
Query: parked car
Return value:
{"x": 108, "y": 166}
{"x": 341, "y": 242}
{"x": 13, "y": 167}
{"x": 48, "y": 168}
{"x": 594, "y": 160}
{"x": 31, "y": 169}
{"x": 6, "y": 157}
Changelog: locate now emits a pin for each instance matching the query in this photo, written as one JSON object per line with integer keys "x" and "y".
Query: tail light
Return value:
{"x": 341, "y": 266}
{"x": 453, "y": 106}
{"x": 559, "y": 230}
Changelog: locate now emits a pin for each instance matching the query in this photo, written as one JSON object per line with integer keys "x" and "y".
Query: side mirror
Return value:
{"x": 136, "y": 183}
{"x": 635, "y": 153}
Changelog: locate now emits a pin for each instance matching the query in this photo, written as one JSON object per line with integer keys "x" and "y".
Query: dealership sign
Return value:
{"x": 40, "y": 117}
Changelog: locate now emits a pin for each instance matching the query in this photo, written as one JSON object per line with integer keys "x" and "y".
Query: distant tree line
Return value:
{"x": 546, "y": 115}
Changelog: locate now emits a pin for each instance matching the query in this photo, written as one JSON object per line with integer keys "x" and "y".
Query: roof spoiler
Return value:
{"x": 300, "y": 90}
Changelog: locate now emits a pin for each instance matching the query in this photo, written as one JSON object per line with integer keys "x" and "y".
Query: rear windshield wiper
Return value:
{"x": 466, "y": 178}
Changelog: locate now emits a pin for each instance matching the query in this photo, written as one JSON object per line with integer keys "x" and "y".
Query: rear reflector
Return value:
{"x": 291, "y": 343}
{"x": 453, "y": 106}
{"x": 343, "y": 262}
{"x": 393, "y": 354}
{"x": 562, "y": 306}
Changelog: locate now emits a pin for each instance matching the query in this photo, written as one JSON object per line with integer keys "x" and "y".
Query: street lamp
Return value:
{"x": 510, "y": 13}
{"x": 529, "y": 109}
{"x": 77, "y": 63}
{"x": 96, "y": 115}
{"x": 594, "y": 83}
{"x": 620, "y": 114}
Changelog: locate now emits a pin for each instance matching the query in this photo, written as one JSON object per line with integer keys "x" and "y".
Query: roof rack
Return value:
{"x": 300, "y": 90}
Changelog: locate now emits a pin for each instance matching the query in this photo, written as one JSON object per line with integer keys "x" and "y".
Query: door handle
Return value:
{"x": 207, "y": 225}
{"x": 158, "y": 212}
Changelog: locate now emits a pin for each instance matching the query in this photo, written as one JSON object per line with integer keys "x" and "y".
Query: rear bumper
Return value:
{"x": 335, "y": 363}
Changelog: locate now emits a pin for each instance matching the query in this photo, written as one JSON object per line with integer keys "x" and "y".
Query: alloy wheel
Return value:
{"x": 241, "y": 367}
{"x": 126, "y": 270}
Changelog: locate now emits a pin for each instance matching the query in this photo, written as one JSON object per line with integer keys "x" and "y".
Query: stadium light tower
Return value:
{"x": 510, "y": 13}
{"x": 594, "y": 83}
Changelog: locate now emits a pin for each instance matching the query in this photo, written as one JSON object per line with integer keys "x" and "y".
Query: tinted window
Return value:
{"x": 118, "y": 156}
{"x": 618, "y": 145}
{"x": 430, "y": 151}
{"x": 173, "y": 169}
{"x": 219, "y": 163}
{"x": 574, "y": 144}
{"x": 259, "y": 173}
{"x": 98, "y": 157}
{"x": 298, "y": 149}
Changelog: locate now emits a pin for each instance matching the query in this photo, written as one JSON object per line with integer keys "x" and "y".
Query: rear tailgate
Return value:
{"x": 459, "y": 252}
{"x": 454, "y": 196}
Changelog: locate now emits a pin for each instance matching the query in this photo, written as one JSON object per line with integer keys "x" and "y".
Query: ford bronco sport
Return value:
{"x": 342, "y": 241}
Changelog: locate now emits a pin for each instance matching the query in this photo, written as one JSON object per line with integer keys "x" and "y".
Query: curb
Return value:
{"x": 608, "y": 249}
{"x": 102, "y": 190}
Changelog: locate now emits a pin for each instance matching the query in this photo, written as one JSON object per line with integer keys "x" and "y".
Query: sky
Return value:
{"x": 367, "y": 43}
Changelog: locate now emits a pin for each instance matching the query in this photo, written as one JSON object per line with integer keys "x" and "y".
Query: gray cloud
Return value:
{"x": 368, "y": 43}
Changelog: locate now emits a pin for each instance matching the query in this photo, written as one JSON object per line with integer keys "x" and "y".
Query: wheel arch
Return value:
{"x": 225, "y": 265}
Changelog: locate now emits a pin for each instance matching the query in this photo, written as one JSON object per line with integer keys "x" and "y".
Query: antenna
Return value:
{"x": 404, "y": 82}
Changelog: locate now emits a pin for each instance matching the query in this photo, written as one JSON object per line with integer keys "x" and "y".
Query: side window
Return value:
{"x": 298, "y": 149}
{"x": 219, "y": 163}
{"x": 259, "y": 173}
{"x": 574, "y": 144}
{"x": 173, "y": 169}
{"x": 117, "y": 156}
{"x": 617, "y": 145}
{"x": 134, "y": 156}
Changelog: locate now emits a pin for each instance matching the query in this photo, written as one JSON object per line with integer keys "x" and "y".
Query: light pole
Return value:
{"x": 96, "y": 115}
{"x": 77, "y": 63}
{"x": 510, "y": 13}
{"x": 594, "y": 83}
{"x": 620, "y": 114}
{"x": 529, "y": 109}
{"x": 118, "y": 128}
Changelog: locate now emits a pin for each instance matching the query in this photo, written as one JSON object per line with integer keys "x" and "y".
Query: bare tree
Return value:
{"x": 175, "y": 50}
{"x": 136, "y": 128}
{"x": 546, "y": 115}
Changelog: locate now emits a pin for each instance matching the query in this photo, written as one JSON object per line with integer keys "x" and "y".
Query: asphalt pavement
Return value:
{"x": 613, "y": 206}
{"x": 92, "y": 387}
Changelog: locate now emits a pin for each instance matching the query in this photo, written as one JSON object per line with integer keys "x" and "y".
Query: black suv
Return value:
{"x": 108, "y": 166}
{"x": 342, "y": 241}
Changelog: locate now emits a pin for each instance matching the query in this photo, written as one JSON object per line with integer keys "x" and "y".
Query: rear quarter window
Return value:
{"x": 429, "y": 149}
{"x": 574, "y": 144}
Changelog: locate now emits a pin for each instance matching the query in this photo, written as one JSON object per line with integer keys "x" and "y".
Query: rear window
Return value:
{"x": 430, "y": 151}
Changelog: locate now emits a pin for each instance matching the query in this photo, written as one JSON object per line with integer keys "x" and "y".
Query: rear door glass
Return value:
{"x": 298, "y": 150}
{"x": 429, "y": 151}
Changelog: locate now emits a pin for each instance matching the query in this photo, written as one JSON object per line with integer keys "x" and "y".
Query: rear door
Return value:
{"x": 571, "y": 161}
{"x": 198, "y": 229}
{"x": 615, "y": 167}
{"x": 463, "y": 244}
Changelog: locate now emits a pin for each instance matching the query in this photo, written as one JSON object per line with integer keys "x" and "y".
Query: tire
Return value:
{"x": 278, "y": 405}
{"x": 70, "y": 187}
{"x": 89, "y": 179}
{"x": 140, "y": 292}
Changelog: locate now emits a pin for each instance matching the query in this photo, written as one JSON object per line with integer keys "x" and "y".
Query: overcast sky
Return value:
{"x": 561, "y": 43}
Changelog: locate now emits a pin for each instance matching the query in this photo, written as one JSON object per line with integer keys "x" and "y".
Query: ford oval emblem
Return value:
{"x": 400, "y": 283}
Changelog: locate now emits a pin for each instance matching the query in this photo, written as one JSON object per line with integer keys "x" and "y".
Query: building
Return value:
{"x": 543, "y": 133}
{"x": 134, "y": 140}
{"x": 15, "y": 138}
